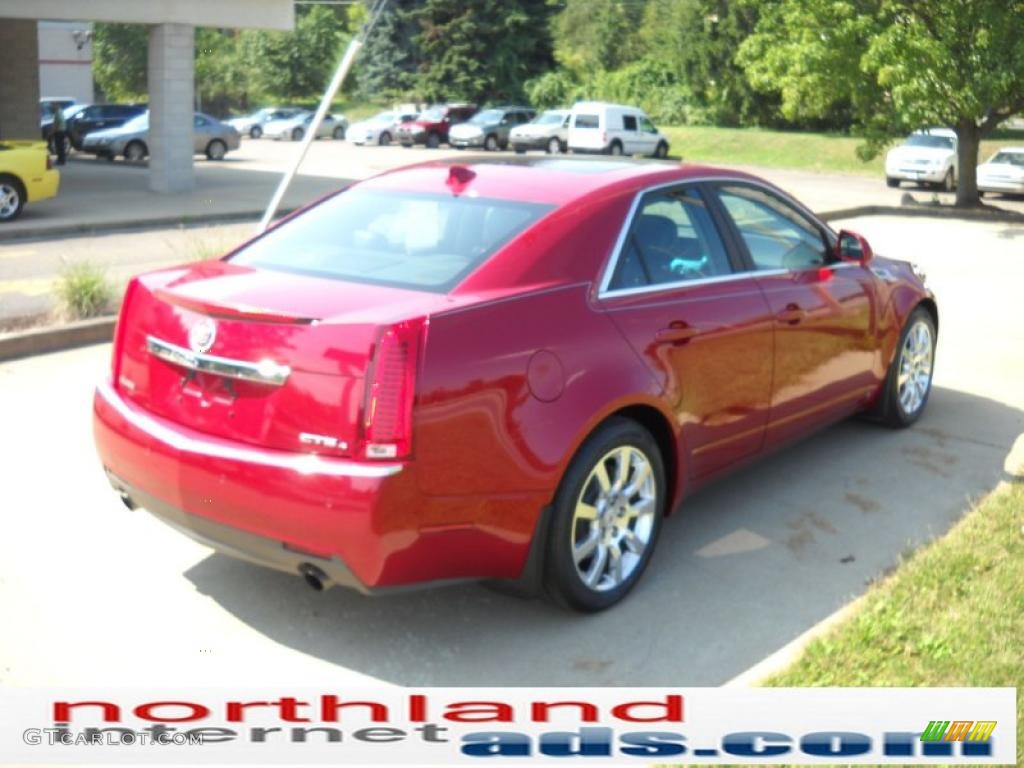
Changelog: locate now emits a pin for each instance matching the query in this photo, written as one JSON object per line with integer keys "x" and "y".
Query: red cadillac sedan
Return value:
{"x": 499, "y": 369}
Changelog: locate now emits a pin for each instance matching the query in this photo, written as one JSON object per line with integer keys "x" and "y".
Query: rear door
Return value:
{"x": 823, "y": 310}
{"x": 698, "y": 321}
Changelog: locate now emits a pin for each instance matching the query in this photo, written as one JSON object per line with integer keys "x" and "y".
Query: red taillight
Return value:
{"x": 391, "y": 389}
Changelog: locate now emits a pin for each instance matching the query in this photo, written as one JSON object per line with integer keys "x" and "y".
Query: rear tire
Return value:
{"x": 339, "y": 133}
{"x": 385, "y": 139}
{"x": 909, "y": 380}
{"x": 433, "y": 141}
{"x": 606, "y": 518}
{"x": 891, "y": 182}
{"x": 615, "y": 148}
{"x": 12, "y": 197}
{"x": 135, "y": 152}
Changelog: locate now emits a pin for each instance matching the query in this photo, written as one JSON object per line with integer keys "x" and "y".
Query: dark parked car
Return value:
{"x": 431, "y": 127}
{"x": 499, "y": 370}
{"x": 100, "y": 116}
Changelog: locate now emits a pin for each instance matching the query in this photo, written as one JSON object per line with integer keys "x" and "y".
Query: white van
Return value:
{"x": 614, "y": 129}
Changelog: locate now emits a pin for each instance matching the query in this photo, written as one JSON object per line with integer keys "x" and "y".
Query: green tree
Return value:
{"x": 591, "y": 36}
{"x": 388, "y": 62}
{"x": 299, "y": 64}
{"x": 697, "y": 41}
{"x": 480, "y": 50}
{"x": 898, "y": 64}
{"x": 120, "y": 61}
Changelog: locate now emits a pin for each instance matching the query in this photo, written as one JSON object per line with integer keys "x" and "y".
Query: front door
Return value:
{"x": 823, "y": 311}
{"x": 701, "y": 325}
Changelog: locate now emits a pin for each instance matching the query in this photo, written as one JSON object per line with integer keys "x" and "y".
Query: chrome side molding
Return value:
{"x": 263, "y": 372}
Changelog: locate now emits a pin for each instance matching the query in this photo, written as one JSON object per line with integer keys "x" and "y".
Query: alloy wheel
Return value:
{"x": 554, "y": 147}
{"x": 10, "y": 201}
{"x": 614, "y": 518}
{"x": 915, "y": 370}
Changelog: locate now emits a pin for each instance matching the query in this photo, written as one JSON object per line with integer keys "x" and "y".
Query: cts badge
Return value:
{"x": 202, "y": 335}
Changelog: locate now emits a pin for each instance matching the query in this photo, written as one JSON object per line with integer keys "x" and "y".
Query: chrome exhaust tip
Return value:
{"x": 313, "y": 576}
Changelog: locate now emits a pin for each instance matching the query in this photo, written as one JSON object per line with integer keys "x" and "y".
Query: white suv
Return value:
{"x": 614, "y": 129}
{"x": 927, "y": 156}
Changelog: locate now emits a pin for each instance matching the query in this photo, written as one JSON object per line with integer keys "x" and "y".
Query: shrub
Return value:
{"x": 83, "y": 291}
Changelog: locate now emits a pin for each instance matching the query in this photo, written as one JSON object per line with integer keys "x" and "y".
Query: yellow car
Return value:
{"x": 26, "y": 175}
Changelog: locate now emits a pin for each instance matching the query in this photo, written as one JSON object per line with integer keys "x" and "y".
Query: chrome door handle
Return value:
{"x": 791, "y": 315}
{"x": 677, "y": 332}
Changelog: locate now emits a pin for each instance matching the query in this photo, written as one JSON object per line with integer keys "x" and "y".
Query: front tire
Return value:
{"x": 554, "y": 146}
{"x": 949, "y": 181}
{"x": 491, "y": 143}
{"x": 298, "y": 134}
{"x": 891, "y": 182}
{"x": 909, "y": 381}
{"x": 433, "y": 141}
{"x": 385, "y": 139}
{"x": 615, "y": 148}
{"x": 255, "y": 132}
{"x": 606, "y": 518}
{"x": 216, "y": 150}
{"x": 12, "y": 197}
{"x": 661, "y": 151}
{"x": 339, "y": 133}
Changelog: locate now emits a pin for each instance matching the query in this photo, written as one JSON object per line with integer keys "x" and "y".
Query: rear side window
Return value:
{"x": 417, "y": 241}
{"x": 629, "y": 122}
{"x": 586, "y": 121}
{"x": 672, "y": 239}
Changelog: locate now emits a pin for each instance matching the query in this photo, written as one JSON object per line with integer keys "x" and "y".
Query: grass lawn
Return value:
{"x": 952, "y": 615}
{"x": 826, "y": 152}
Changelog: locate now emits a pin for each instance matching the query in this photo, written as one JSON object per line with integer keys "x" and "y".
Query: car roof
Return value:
{"x": 1014, "y": 150}
{"x": 935, "y": 132}
{"x": 603, "y": 105}
{"x": 541, "y": 179}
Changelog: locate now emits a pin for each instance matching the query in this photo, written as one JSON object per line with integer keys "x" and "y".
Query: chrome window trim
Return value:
{"x": 609, "y": 270}
{"x": 264, "y": 372}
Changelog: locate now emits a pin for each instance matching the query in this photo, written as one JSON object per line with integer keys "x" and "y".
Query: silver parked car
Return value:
{"x": 252, "y": 125}
{"x": 548, "y": 131}
{"x": 294, "y": 128}
{"x": 379, "y": 129}
{"x": 489, "y": 128}
{"x": 210, "y": 137}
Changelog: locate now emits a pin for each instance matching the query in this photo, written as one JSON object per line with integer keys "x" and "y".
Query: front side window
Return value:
{"x": 672, "y": 239}
{"x": 647, "y": 126}
{"x": 777, "y": 235}
{"x": 407, "y": 240}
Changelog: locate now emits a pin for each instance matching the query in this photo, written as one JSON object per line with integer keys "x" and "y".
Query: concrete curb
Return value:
{"x": 935, "y": 211}
{"x": 791, "y": 651}
{"x": 130, "y": 225}
{"x": 39, "y": 341}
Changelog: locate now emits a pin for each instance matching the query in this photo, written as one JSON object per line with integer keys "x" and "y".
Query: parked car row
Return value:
{"x": 929, "y": 157}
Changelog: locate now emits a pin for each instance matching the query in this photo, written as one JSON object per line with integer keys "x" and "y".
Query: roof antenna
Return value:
{"x": 459, "y": 177}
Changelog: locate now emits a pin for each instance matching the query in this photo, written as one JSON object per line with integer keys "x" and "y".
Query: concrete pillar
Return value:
{"x": 171, "y": 56}
{"x": 19, "y": 80}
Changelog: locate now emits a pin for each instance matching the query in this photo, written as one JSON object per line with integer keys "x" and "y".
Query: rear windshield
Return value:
{"x": 586, "y": 121}
{"x": 422, "y": 242}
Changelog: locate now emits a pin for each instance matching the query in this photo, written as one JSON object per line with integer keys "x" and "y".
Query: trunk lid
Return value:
{"x": 321, "y": 332}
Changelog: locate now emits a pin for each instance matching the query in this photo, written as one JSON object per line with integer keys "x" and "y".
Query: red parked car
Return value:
{"x": 430, "y": 128}
{"x": 500, "y": 370}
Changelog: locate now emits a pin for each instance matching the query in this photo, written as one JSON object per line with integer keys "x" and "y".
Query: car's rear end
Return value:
{"x": 587, "y": 130}
{"x": 29, "y": 163}
{"x": 265, "y": 403}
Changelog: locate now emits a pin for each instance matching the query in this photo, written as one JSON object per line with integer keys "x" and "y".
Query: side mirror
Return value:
{"x": 853, "y": 247}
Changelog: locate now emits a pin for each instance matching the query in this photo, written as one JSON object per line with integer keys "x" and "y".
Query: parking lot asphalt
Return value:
{"x": 91, "y": 593}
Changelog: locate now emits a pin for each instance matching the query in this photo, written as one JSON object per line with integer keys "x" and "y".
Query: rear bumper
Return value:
{"x": 44, "y": 186}
{"x": 363, "y": 524}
